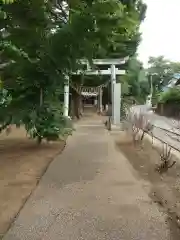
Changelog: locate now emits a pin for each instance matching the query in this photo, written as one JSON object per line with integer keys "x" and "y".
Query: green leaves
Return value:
{"x": 47, "y": 123}
{"x": 162, "y": 70}
{"x": 135, "y": 82}
{"x": 170, "y": 96}
{"x": 41, "y": 46}
{"x": 7, "y": 1}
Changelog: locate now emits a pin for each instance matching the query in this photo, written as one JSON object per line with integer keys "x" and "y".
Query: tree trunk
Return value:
{"x": 39, "y": 140}
{"x": 6, "y": 124}
{"x": 76, "y": 105}
{"x": 81, "y": 106}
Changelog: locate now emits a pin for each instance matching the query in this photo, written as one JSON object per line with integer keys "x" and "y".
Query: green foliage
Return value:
{"x": 5, "y": 117}
{"x": 126, "y": 35}
{"x": 124, "y": 87}
{"x": 47, "y": 123}
{"x": 40, "y": 44}
{"x": 135, "y": 83}
{"x": 7, "y": 1}
{"x": 170, "y": 96}
{"x": 161, "y": 71}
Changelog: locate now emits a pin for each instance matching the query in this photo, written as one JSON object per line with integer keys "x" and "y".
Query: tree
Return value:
{"x": 31, "y": 77}
{"x": 174, "y": 67}
{"x": 40, "y": 47}
{"x": 162, "y": 70}
{"x": 125, "y": 37}
{"x": 135, "y": 80}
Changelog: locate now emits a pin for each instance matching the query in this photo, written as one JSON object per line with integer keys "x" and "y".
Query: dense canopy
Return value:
{"x": 41, "y": 43}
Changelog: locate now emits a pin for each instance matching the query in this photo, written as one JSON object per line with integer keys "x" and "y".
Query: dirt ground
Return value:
{"x": 22, "y": 163}
{"x": 165, "y": 188}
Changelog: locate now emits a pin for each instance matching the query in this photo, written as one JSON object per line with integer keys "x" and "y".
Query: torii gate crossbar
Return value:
{"x": 116, "y": 88}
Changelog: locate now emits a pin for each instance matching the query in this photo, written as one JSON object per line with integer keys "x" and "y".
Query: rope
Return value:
{"x": 79, "y": 89}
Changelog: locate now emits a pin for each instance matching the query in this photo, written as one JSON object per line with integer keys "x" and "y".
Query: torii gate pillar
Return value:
{"x": 100, "y": 100}
{"x": 66, "y": 97}
{"x": 116, "y": 97}
{"x": 116, "y": 87}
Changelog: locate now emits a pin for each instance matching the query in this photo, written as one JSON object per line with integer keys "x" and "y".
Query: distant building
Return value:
{"x": 175, "y": 81}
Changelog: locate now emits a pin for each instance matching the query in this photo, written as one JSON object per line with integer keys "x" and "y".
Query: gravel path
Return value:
{"x": 90, "y": 192}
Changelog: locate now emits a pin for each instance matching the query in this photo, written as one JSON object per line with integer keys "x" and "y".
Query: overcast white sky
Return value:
{"x": 161, "y": 30}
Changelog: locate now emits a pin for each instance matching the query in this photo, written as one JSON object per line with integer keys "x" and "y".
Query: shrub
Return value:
{"x": 47, "y": 123}
{"x": 170, "y": 96}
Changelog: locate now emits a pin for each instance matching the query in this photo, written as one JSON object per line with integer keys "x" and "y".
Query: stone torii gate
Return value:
{"x": 112, "y": 71}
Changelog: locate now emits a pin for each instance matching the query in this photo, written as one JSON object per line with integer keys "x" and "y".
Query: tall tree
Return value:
{"x": 162, "y": 70}
{"x": 41, "y": 46}
{"x": 136, "y": 79}
{"x": 126, "y": 35}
